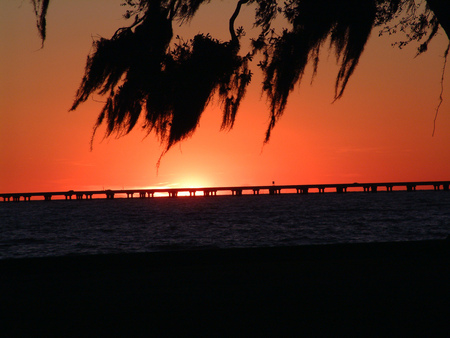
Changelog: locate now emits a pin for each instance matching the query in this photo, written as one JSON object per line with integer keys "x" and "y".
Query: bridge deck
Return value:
{"x": 235, "y": 191}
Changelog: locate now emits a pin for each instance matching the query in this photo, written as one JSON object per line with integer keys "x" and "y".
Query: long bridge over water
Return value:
{"x": 235, "y": 191}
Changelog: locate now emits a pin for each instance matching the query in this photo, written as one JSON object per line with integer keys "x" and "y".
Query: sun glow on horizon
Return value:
{"x": 184, "y": 184}
{"x": 192, "y": 182}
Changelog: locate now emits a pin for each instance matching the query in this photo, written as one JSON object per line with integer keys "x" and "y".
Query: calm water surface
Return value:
{"x": 39, "y": 228}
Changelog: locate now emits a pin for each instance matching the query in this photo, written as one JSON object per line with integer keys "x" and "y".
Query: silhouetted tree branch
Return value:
{"x": 145, "y": 72}
{"x": 441, "y": 9}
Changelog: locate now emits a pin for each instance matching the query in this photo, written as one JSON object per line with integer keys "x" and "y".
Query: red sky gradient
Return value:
{"x": 381, "y": 130}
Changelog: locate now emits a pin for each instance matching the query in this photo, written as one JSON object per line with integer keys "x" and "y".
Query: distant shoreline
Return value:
{"x": 371, "y": 288}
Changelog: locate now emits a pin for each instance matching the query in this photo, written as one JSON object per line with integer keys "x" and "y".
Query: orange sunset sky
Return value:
{"x": 381, "y": 130}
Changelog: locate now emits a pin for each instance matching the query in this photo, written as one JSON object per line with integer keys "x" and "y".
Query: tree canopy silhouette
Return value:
{"x": 145, "y": 71}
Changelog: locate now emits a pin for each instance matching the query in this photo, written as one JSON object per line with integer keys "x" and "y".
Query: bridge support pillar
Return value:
{"x": 210, "y": 193}
{"x": 410, "y": 187}
{"x": 340, "y": 189}
{"x": 274, "y": 191}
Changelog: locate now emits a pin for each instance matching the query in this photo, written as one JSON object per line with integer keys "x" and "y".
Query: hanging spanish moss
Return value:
{"x": 40, "y": 10}
{"x": 169, "y": 87}
{"x": 346, "y": 24}
{"x": 146, "y": 75}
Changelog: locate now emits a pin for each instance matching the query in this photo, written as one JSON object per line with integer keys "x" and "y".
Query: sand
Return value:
{"x": 378, "y": 289}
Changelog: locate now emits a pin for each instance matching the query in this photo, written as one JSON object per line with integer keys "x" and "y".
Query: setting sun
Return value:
{"x": 193, "y": 182}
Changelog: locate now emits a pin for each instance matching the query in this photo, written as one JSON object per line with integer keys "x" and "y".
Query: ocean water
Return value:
{"x": 60, "y": 227}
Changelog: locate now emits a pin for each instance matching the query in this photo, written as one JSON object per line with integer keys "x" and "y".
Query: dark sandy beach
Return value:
{"x": 393, "y": 289}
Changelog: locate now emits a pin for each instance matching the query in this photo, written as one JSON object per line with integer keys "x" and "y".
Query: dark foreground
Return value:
{"x": 393, "y": 289}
